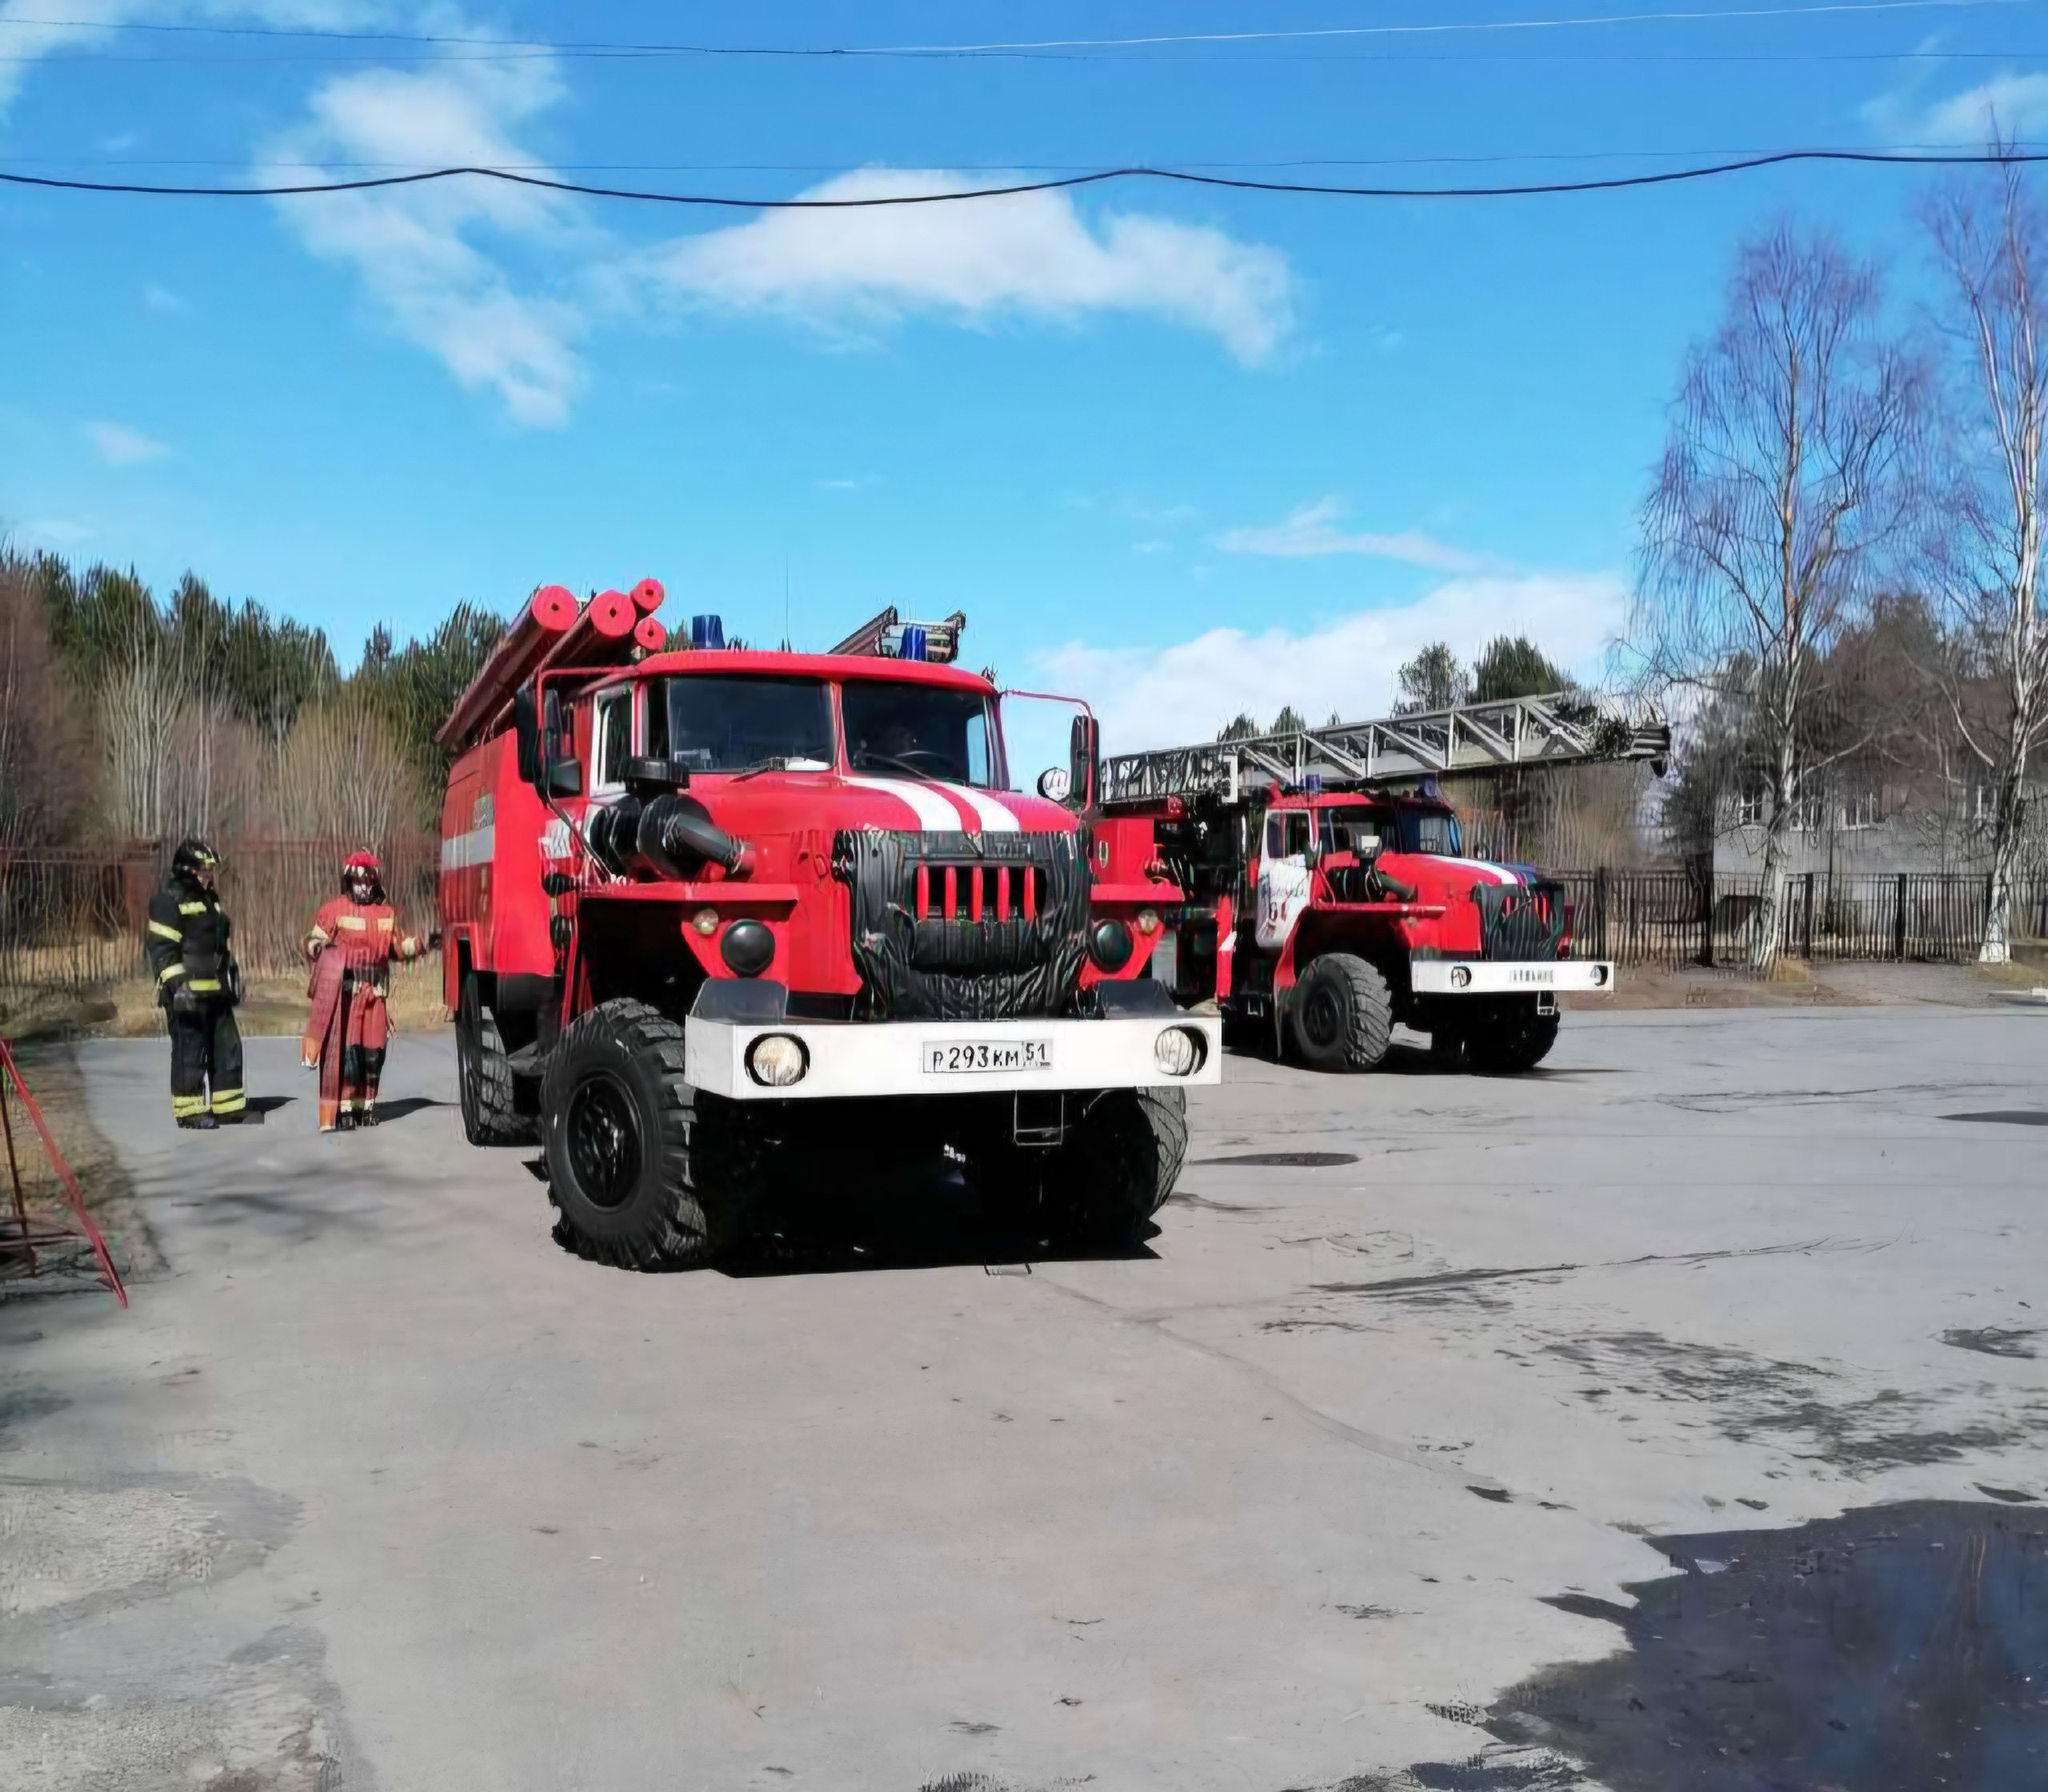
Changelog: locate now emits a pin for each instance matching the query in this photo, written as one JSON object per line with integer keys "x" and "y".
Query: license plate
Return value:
{"x": 1532, "y": 974}
{"x": 965, "y": 1056}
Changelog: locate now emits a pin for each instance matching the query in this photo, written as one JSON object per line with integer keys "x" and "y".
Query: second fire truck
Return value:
{"x": 1329, "y": 892}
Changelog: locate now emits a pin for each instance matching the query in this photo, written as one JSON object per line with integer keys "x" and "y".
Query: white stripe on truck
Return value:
{"x": 460, "y": 851}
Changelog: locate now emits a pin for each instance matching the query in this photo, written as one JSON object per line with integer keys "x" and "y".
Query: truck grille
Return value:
{"x": 966, "y": 926}
{"x": 1520, "y": 921}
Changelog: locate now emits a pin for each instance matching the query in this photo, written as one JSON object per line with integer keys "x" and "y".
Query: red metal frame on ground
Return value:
{"x": 16, "y": 1233}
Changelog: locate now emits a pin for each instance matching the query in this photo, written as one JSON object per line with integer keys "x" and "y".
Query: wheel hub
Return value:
{"x": 604, "y": 1142}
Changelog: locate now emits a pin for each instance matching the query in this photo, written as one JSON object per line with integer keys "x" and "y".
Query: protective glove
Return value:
{"x": 232, "y": 984}
{"x": 182, "y": 1001}
{"x": 434, "y": 941}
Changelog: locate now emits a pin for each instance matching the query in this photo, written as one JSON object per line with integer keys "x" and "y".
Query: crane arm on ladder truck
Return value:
{"x": 1559, "y": 729}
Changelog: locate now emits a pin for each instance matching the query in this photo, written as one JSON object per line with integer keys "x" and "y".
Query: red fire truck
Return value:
{"x": 1328, "y": 893}
{"x": 712, "y": 916}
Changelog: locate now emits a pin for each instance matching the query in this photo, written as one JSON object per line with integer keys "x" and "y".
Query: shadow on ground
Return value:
{"x": 1900, "y": 1648}
{"x": 913, "y": 1218}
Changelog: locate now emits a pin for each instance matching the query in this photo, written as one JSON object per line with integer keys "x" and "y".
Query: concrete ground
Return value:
{"x": 377, "y": 1488}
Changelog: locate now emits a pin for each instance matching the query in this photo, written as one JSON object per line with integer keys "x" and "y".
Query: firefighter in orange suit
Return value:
{"x": 351, "y": 944}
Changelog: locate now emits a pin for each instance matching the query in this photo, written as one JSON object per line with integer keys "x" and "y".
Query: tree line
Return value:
{"x": 126, "y": 716}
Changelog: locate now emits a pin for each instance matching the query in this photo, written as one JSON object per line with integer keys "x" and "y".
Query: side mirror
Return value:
{"x": 527, "y": 734}
{"x": 1086, "y": 748}
{"x": 1054, "y": 782}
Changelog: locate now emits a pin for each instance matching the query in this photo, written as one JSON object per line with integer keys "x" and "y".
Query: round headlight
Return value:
{"x": 776, "y": 1060}
{"x": 705, "y": 922}
{"x": 1110, "y": 944}
{"x": 1148, "y": 921}
{"x": 748, "y": 948}
{"x": 1179, "y": 1050}
{"x": 1461, "y": 977}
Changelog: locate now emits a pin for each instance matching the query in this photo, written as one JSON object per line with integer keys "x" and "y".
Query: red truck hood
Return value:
{"x": 1437, "y": 876}
{"x": 773, "y": 802}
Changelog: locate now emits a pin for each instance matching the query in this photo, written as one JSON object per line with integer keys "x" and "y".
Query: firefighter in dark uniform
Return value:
{"x": 198, "y": 984}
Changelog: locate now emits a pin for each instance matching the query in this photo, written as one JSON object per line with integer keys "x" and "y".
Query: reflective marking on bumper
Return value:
{"x": 887, "y": 1057}
{"x": 1439, "y": 976}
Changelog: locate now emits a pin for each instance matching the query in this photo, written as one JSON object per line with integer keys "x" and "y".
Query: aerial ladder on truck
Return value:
{"x": 1327, "y": 893}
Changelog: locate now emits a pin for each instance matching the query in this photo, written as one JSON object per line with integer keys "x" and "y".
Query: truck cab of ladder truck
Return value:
{"x": 1345, "y": 911}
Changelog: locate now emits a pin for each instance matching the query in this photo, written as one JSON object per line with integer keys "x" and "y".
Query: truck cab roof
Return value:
{"x": 727, "y": 662}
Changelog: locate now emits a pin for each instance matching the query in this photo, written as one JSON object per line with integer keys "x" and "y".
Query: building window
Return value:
{"x": 1864, "y": 810}
{"x": 1749, "y": 808}
{"x": 1806, "y": 815}
{"x": 1983, "y": 804}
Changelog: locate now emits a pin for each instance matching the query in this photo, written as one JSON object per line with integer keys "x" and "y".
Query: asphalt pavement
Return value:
{"x": 1364, "y": 1472}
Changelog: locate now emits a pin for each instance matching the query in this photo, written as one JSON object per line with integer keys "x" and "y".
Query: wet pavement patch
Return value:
{"x": 1800, "y": 1407}
{"x": 2007, "y": 1117}
{"x": 1289, "y": 1160}
{"x": 1994, "y": 1341}
{"x": 1901, "y": 1648}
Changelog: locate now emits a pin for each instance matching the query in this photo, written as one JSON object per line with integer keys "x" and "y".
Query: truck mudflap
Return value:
{"x": 1485, "y": 977}
{"x": 734, "y": 1058}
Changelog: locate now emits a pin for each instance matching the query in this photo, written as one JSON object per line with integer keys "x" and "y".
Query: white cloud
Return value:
{"x": 500, "y": 282}
{"x": 430, "y": 256}
{"x": 162, "y": 299}
{"x": 2014, "y": 104}
{"x": 1160, "y": 696}
{"x": 119, "y": 446}
{"x": 1312, "y": 530}
{"x": 36, "y": 28}
{"x": 1031, "y": 254}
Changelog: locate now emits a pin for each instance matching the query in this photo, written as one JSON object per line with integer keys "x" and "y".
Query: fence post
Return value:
{"x": 1806, "y": 922}
{"x": 1600, "y": 912}
{"x": 1899, "y": 923}
{"x": 1706, "y": 914}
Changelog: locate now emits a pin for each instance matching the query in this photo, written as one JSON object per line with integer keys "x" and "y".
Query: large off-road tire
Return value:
{"x": 1510, "y": 1041}
{"x": 1100, "y": 1187}
{"x": 646, "y": 1172}
{"x": 485, "y": 1085}
{"x": 1341, "y": 1016}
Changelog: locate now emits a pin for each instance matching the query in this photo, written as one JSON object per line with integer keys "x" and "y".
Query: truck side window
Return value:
{"x": 1276, "y": 836}
{"x": 981, "y": 767}
{"x": 1298, "y": 823}
{"x": 611, "y": 732}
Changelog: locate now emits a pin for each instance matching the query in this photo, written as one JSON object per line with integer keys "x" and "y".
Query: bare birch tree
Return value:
{"x": 1990, "y": 240}
{"x": 1785, "y": 483}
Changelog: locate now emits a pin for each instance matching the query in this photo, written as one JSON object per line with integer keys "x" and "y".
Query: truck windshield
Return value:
{"x": 1428, "y": 830}
{"x": 926, "y": 730}
{"x": 1351, "y": 829}
{"x": 711, "y": 723}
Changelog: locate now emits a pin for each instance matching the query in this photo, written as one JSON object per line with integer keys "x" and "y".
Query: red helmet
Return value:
{"x": 361, "y": 865}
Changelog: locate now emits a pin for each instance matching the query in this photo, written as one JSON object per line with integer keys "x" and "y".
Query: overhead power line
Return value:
{"x": 1094, "y": 177}
{"x": 1038, "y": 46}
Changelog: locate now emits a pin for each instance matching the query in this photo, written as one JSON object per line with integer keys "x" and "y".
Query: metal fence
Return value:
{"x": 1689, "y": 918}
{"x": 71, "y": 923}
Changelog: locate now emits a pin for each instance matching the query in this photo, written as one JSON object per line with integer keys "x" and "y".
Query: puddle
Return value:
{"x": 1289, "y": 1160}
{"x": 1901, "y": 1648}
{"x": 2007, "y": 1117}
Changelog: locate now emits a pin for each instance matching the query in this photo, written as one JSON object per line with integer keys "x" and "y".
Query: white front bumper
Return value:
{"x": 888, "y": 1057}
{"x": 1441, "y": 976}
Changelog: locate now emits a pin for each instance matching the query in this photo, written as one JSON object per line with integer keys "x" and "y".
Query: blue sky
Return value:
{"x": 1187, "y": 451}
